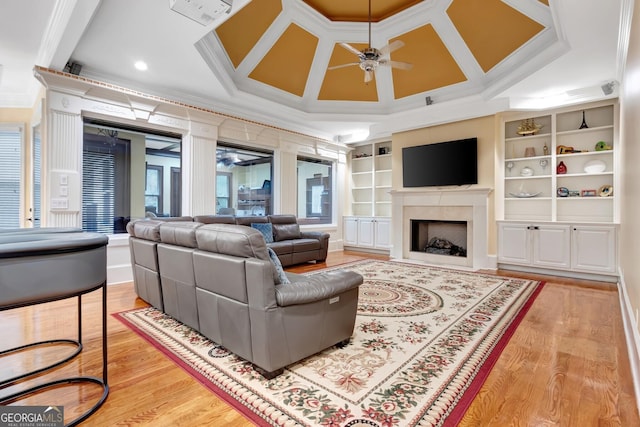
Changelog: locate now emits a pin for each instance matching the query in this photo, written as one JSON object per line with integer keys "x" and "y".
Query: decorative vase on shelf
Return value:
{"x": 584, "y": 122}
{"x": 562, "y": 168}
{"x": 545, "y": 150}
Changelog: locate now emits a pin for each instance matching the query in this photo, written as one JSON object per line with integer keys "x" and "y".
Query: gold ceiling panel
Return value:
{"x": 491, "y": 29}
{"x": 346, "y": 84}
{"x": 239, "y": 34}
{"x": 358, "y": 10}
{"x": 433, "y": 65}
{"x": 287, "y": 64}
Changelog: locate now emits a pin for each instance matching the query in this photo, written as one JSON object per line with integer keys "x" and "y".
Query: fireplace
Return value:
{"x": 458, "y": 216}
{"x": 439, "y": 237}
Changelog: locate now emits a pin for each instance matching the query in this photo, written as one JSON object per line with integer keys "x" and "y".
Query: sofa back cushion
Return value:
{"x": 285, "y": 232}
{"x": 215, "y": 219}
{"x": 285, "y": 227}
{"x": 233, "y": 240}
{"x": 145, "y": 229}
{"x": 179, "y": 233}
{"x": 248, "y": 220}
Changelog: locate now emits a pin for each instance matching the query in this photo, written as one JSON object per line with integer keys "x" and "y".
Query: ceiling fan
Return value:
{"x": 371, "y": 58}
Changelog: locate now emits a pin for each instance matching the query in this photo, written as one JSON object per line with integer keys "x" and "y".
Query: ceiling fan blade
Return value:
{"x": 399, "y": 65}
{"x": 351, "y": 49}
{"x": 368, "y": 76}
{"x": 335, "y": 67}
{"x": 394, "y": 45}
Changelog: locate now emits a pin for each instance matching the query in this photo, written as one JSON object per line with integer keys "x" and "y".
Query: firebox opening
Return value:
{"x": 439, "y": 237}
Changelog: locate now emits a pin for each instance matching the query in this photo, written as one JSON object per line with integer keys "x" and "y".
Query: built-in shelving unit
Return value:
{"x": 371, "y": 180}
{"x": 560, "y": 211}
{"x": 368, "y": 226}
{"x": 540, "y": 194}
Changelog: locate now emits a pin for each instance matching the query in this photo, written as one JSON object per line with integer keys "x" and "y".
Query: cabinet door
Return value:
{"x": 513, "y": 243}
{"x": 383, "y": 233}
{"x": 551, "y": 245}
{"x": 593, "y": 248}
{"x": 366, "y": 232}
{"x": 350, "y": 231}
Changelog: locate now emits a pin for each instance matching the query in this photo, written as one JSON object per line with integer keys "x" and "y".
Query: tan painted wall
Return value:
{"x": 630, "y": 176}
{"x": 484, "y": 128}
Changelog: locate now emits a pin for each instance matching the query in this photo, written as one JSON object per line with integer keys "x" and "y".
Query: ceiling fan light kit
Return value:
{"x": 371, "y": 58}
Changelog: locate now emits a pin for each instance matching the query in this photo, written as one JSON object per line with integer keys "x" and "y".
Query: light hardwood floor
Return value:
{"x": 566, "y": 365}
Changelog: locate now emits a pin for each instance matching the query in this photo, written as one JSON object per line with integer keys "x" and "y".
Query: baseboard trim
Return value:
{"x": 560, "y": 273}
{"x": 632, "y": 335}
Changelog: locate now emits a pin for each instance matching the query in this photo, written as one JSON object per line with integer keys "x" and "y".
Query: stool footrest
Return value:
{"x": 51, "y": 384}
{"x": 11, "y": 381}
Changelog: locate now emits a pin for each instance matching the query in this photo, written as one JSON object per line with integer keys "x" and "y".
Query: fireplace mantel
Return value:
{"x": 468, "y": 204}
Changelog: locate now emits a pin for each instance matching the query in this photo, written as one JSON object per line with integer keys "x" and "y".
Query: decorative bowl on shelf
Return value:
{"x": 526, "y": 171}
{"x": 595, "y": 166}
{"x": 524, "y": 195}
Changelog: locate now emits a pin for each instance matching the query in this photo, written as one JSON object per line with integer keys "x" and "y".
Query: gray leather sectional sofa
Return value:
{"x": 219, "y": 279}
{"x": 292, "y": 245}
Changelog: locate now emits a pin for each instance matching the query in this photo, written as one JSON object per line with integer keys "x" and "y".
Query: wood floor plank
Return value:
{"x": 566, "y": 364}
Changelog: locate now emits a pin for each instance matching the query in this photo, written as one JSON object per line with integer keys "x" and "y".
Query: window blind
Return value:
{"x": 10, "y": 172}
{"x": 97, "y": 191}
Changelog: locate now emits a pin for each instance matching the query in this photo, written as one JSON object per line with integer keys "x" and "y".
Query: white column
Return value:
{"x": 62, "y": 162}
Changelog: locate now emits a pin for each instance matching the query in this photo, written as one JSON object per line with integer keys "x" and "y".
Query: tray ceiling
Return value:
{"x": 281, "y": 50}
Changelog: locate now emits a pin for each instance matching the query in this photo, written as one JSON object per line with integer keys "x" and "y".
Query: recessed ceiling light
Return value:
{"x": 141, "y": 65}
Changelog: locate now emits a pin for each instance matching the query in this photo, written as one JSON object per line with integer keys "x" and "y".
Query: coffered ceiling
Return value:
{"x": 268, "y": 60}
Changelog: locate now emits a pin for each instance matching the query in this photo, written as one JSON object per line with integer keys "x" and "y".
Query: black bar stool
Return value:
{"x": 44, "y": 265}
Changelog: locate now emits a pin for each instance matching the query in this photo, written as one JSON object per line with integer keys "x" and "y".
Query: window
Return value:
{"x": 243, "y": 184}
{"x": 123, "y": 176}
{"x": 315, "y": 183}
{"x": 153, "y": 190}
{"x": 10, "y": 176}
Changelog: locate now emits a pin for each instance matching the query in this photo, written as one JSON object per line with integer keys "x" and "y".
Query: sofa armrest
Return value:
{"x": 317, "y": 287}
{"x": 322, "y": 237}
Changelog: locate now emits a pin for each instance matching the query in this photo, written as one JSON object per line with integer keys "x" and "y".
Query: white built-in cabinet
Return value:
{"x": 367, "y": 232}
{"x": 579, "y": 248}
{"x": 369, "y": 225}
{"x": 560, "y": 218}
{"x": 543, "y": 245}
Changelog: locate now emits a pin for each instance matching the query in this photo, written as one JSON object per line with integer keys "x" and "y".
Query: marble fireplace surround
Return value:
{"x": 470, "y": 205}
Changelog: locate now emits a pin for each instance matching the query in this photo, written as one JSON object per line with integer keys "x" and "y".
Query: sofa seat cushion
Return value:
{"x": 305, "y": 245}
{"x": 282, "y": 248}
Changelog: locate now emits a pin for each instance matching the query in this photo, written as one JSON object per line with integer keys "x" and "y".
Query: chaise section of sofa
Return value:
{"x": 220, "y": 280}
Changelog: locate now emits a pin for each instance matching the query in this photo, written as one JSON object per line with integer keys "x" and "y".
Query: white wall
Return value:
{"x": 68, "y": 99}
{"x": 630, "y": 196}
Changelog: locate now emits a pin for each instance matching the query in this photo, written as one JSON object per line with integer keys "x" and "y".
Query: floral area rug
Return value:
{"x": 424, "y": 341}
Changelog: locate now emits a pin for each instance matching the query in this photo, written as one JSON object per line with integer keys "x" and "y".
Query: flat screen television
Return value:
{"x": 441, "y": 164}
